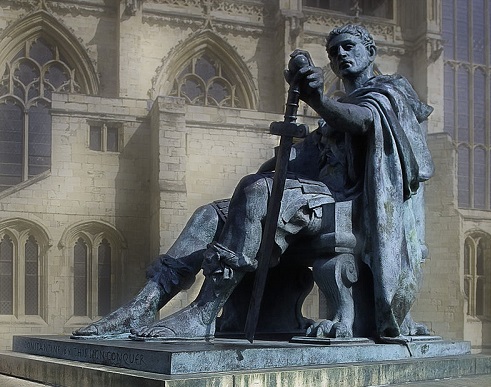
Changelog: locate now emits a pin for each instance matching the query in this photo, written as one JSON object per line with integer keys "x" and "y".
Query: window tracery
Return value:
{"x": 36, "y": 71}
{"x": 467, "y": 92}
{"x": 204, "y": 81}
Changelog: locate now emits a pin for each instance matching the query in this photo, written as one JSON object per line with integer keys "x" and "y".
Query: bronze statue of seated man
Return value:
{"x": 370, "y": 149}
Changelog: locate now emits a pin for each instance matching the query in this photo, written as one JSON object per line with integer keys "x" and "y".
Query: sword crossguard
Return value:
{"x": 291, "y": 129}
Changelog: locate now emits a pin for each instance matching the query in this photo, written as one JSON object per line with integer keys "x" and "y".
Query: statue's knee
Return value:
{"x": 253, "y": 185}
{"x": 205, "y": 214}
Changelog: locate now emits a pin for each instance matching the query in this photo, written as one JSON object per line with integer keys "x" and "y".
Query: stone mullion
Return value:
{"x": 454, "y": 56}
{"x": 456, "y": 69}
{"x": 25, "y": 145}
{"x": 472, "y": 145}
{"x": 92, "y": 289}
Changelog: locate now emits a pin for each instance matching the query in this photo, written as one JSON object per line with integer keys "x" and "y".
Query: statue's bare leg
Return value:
{"x": 168, "y": 275}
{"x": 197, "y": 320}
{"x": 225, "y": 263}
{"x": 227, "y": 259}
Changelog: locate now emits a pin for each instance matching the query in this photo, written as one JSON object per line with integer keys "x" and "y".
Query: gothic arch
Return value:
{"x": 43, "y": 24}
{"x": 92, "y": 292}
{"x": 29, "y": 297}
{"x": 211, "y": 44}
{"x": 21, "y": 226}
{"x": 92, "y": 230}
{"x": 477, "y": 273}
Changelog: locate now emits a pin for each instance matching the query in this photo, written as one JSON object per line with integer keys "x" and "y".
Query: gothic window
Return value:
{"x": 30, "y": 77}
{"x": 94, "y": 253}
{"x": 80, "y": 278}
{"x": 467, "y": 92}
{"x": 463, "y": 176}
{"x": 477, "y": 274}
{"x": 104, "y": 277}
{"x": 32, "y": 276}
{"x": 6, "y": 276}
{"x": 377, "y": 8}
{"x": 23, "y": 247}
{"x": 204, "y": 80}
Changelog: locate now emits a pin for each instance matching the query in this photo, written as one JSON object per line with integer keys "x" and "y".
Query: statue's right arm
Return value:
{"x": 268, "y": 166}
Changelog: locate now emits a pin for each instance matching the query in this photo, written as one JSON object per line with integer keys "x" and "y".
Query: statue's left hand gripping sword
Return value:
{"x": 287, "y": 130}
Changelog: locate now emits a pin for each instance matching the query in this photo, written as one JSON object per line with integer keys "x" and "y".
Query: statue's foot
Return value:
{"x": 138, "y": 312}
{"x": 186, "y": 324}
{"x": 417, "y": 329}
{"x": 409, "y": 327}
{"x": 328, "y": 328}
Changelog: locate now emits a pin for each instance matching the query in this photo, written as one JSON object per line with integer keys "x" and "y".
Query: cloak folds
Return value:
{"x": 396, "y": 162}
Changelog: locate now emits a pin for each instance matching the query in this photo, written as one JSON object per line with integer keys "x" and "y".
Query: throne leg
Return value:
{"x": 335, "y": 278}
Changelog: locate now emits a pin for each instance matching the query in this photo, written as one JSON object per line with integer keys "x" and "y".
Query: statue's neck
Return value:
{"x": 353, "y": 83}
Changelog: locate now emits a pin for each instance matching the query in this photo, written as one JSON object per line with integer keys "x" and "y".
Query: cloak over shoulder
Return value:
{"x": 389, "y": 163}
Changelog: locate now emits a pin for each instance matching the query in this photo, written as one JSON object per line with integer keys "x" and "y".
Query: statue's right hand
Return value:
{"x": 298, "y": 59}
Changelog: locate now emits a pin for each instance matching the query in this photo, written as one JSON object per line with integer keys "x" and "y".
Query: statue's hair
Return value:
{"x": 355, "y": 30}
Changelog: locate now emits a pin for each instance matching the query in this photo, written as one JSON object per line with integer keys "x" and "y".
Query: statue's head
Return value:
{"x": 351, "y": 50}
{"x": 355, "y": 30}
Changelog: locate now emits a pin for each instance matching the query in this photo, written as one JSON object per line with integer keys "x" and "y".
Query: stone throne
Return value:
{"x": 290, "y": 282}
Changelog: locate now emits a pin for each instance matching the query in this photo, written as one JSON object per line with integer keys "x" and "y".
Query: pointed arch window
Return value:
{"x": 26, "y": 85}
{"x": 23, "y": 250}
{"x": 31, "y": 276}
{"x": 205, "y": 81}
{"x": 477, "y": 274}
{"x": 80, "y": 278}
{"x": 6, "y": 276}
{"x": 94, "y": 253}
{"x": 104, "y": 277}
{"x": 92, "y": 297}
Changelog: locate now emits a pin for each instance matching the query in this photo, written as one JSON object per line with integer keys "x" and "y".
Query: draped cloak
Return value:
{"x": 383, "y": 170}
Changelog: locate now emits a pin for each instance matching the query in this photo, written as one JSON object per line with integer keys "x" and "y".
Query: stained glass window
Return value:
{"x": 30, "y": 77}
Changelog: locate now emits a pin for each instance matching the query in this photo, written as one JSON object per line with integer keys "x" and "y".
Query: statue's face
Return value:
{"x": 349, "y": 56}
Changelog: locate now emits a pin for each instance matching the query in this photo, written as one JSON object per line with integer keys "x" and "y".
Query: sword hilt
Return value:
{"x": 294, "y": 65}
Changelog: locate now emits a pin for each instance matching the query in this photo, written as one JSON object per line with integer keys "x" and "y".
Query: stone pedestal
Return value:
{"x": 60, "y": 361}
{"x": 227, "y": 355}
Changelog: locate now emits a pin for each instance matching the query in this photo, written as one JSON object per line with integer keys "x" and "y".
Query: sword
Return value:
{"x": 288, "y": 129}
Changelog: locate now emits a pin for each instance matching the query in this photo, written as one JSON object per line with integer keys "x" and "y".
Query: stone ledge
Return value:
{"x": 72, "y": 373}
